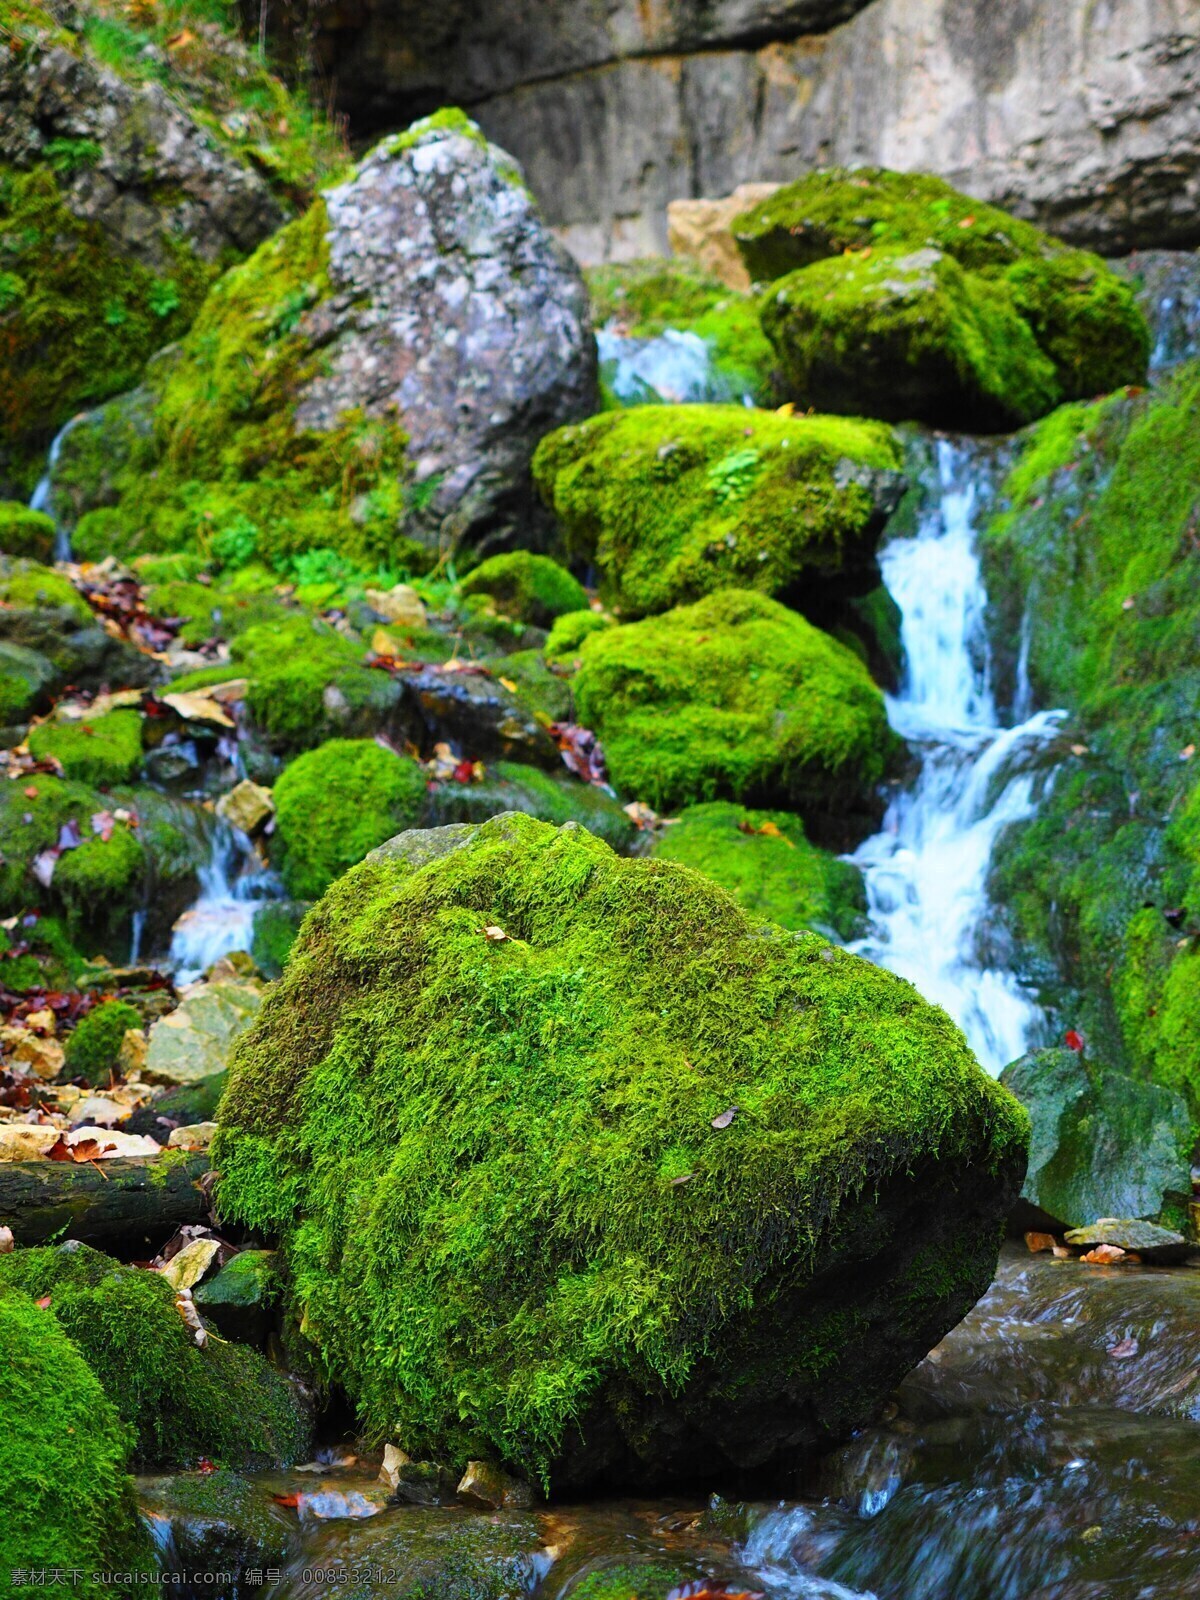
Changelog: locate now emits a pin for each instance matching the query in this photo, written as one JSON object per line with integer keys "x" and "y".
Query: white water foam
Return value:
{"x": 926, "y": 870}
{"x": 233, "y": 887}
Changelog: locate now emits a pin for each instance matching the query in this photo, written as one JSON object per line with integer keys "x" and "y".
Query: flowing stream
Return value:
{"x": 926, "y": 870}
{"x": 234, "y": 886}
{"x": 42, "y": 498}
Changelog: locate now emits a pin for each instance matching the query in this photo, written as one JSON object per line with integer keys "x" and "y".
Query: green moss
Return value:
{"x": 907, "y": 335}
{"x": 335, "y": 803}
{"x": 67, "y": 1501}
{"x": 84, "y": 320}
{"x": 94, "y": 1044}
{"x": 29, "y": 586}
{"x": 51, "y": 961}
{"x": 223, "y": 1401}
{"x": 526, "y": 587}
{"x": 98, "y": 750}
{"x": 996, "y": 328}
{"x": 276, "y": 926}
{"x": 673, "y": 502}
{"x": 219, "y": 463}
{"x": 469, "y": 1147}
{"x": 768, "y": 865}
{"x": 648, "y": 1580}
{"x": 1096, "y": 539}
{"x": 569, "y": 632}
{"x": 546, "y": 692}
{"x": 24, "y": 532}
{"x": 643, "y": 299}
{"x": 26, "y": 678}
{"x": 550, "y": 797}
{"x": 736, "y": 698}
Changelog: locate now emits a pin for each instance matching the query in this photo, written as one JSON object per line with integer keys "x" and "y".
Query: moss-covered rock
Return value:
{"x": 641, "y": 301}
{"x": 901, "y": 297}
{"x": 526, "y": 587}
{"x": 67, "y": 1501}
{"x": 1102, "y": 1144}
{"x": 319, "y": 402}
{"x": 768, "y": 865}
{"x": 24, "y": 532}
{"x": 548, "y": 796}
{"x": 335, "y": 803}
{"x": 132, "y": 175}
{"x": 575, "y": 1163}
{"x": 738, "y": 698}
{"x": 276, "y": 925}
{"x": 1095, "y": 543}
{"x": 26, "y": 679}
{"x": 103, "y": 750}
{"x": 568, "y": 633}
{"x": 222, "y": 1401}
{"x": 240, "y": 1299}
{"x": 673, "y": 502}
{"x": 94, "y": 1044}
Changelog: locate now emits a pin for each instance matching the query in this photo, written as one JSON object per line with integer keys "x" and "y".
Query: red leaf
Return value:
{"x": 205, "y": 1465}
{"x": 1073, "y": 1040}
{"x": 44, "y": 1303}
{"x": 292, "y": 1500}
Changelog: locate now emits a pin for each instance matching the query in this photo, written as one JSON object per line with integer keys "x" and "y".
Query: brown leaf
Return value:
{"x": 494, "y": 935}
{"x": 44, "y": 1303}
{"x": 769, "y": 829}
{"x": 1103, "y": 1254}
{"x": 1036, "y": 1242}
{"x": 1124, "y": 1350}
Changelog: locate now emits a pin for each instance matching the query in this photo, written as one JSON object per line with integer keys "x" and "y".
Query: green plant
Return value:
{"x": 94, "y": 1044}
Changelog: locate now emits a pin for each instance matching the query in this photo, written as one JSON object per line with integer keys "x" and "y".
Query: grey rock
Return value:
{"x": 482, "y": 717}
{"x": 194, "y": 1041}
{"x": 1083, "y": 117}
{"x": 455, "y": 312}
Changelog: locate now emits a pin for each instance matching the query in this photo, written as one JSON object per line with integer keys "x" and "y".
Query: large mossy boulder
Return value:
{"x": 335, "y": 803}
{"x": 526, "y": 587}
{"x": 222, "y": 1401}
{"x": 67, "y": 1503}
{"x": 549, "y": 796}
{"x": 1103, "y": 1144}
{"x": 575, "y": 1163}
{"x": 102, "y": 750}
{"x": 673, "y": 502}
{"x": 379, "y": 371}
{"x": 769, "y": 866}
{"x": 893, "y": 295}
{"x": 735, "y": 698}
{"x": 97, "y": 881}
{"x": 132, "y": 173}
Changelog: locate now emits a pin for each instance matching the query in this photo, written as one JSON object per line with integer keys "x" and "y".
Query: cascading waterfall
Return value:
{"x": 926, "y": 870}
{"x": 234, "y": 885}
{"x": 675, "y": 366}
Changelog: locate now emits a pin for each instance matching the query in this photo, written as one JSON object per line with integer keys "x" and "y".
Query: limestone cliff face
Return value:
{"x": 1080, "y": 114}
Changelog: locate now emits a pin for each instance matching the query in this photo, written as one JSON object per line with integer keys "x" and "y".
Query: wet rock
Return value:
{"x": 1155, "y": 1245}
{"x": 486, "y": 1485}
{"x": 246, "y": 807}
{"x": 474, "y": 711}
{"x": 195, "y": 1136}
{"x": 393, "y": 1460}
{"x": 240, "y": 1300}
{"x": 1103, "y": 1144}
{"x": 179, "y": 1107}
{"x": 424, "y": 1483}
{"x": 193, "y": 1042}
{"x": 217, "y": 1521}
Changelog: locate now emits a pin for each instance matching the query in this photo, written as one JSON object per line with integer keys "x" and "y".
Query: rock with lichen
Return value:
{"x": 574, "y": 1162}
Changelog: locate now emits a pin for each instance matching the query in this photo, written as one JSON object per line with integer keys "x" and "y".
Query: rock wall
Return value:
{"x": 1080, "y": 114}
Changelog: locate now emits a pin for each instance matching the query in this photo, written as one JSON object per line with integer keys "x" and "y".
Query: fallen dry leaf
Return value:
{"x": 195, "y": 706}
{"x": 6, "y": 1241}
{"x": 494, "y": 935}
{"x": 1124, "y": 1349}
{"x": 1037, "y": 1242}
{"x": 1104, "y": 1254}
{"x": 769, "y": 829}
{"x": 725, "y": 1118}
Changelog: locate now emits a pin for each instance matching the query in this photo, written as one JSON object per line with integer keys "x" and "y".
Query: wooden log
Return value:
{"x": 117, "y": 1205}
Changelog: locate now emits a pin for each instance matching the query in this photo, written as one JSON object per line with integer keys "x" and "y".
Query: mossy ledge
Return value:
{"x": 478, "y": 1111}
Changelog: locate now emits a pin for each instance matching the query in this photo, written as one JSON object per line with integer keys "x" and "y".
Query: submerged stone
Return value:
{"x": 1160, "y": 1246}
{"x": 1103, "y": 1144}
{"x": 571, "y": 1159}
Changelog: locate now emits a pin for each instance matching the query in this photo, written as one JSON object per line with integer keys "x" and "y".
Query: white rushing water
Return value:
{"x": 926, "y": 870}
{"x": 675, "y": 366}
{"x": 234, "y": 885}
{"x": 43, "y": 495}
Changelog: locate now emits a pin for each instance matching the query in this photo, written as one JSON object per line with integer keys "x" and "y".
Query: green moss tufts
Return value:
{"x": 735, "y": 697}
{"x": 223, "y": 1401}
{"x": 99, "y": 750}
{"x": 768, "y": 865}
{"x": 94, "y": 1044}
{"x": 67, "y": 1501}
{"x": 526, "y": 587}
{"x": 335, "y": 803}
{"x": 469, "y": 1147}
{"x": 568, "y": 633}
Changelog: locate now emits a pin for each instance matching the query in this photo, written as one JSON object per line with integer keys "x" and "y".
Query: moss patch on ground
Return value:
{"x": 68, "y": 1503}
{"x": 94, "y": 1044}
{"x": 223, "y": 1401}
{"x": 97, "y": 750}
{"x": 767, "y": 864}
{"x": 526, "y": 587}
{"x": 895, "y": 295}
{"x": 335, "y": 803}
{"x": 492, "y": 1162}
{"x": 1098, "y": 541}
{"x": 24, "y": 532}
{"x": 96, "y": 884}
{"x": 673, "y": 502}
{"x": 734, "y": 698}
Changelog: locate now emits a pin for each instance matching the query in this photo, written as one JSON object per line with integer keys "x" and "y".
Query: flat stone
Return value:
{"x": 194, "y": 1041}
{"x": 1159, "y": 1246}
{"x": 247, "y": 806}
